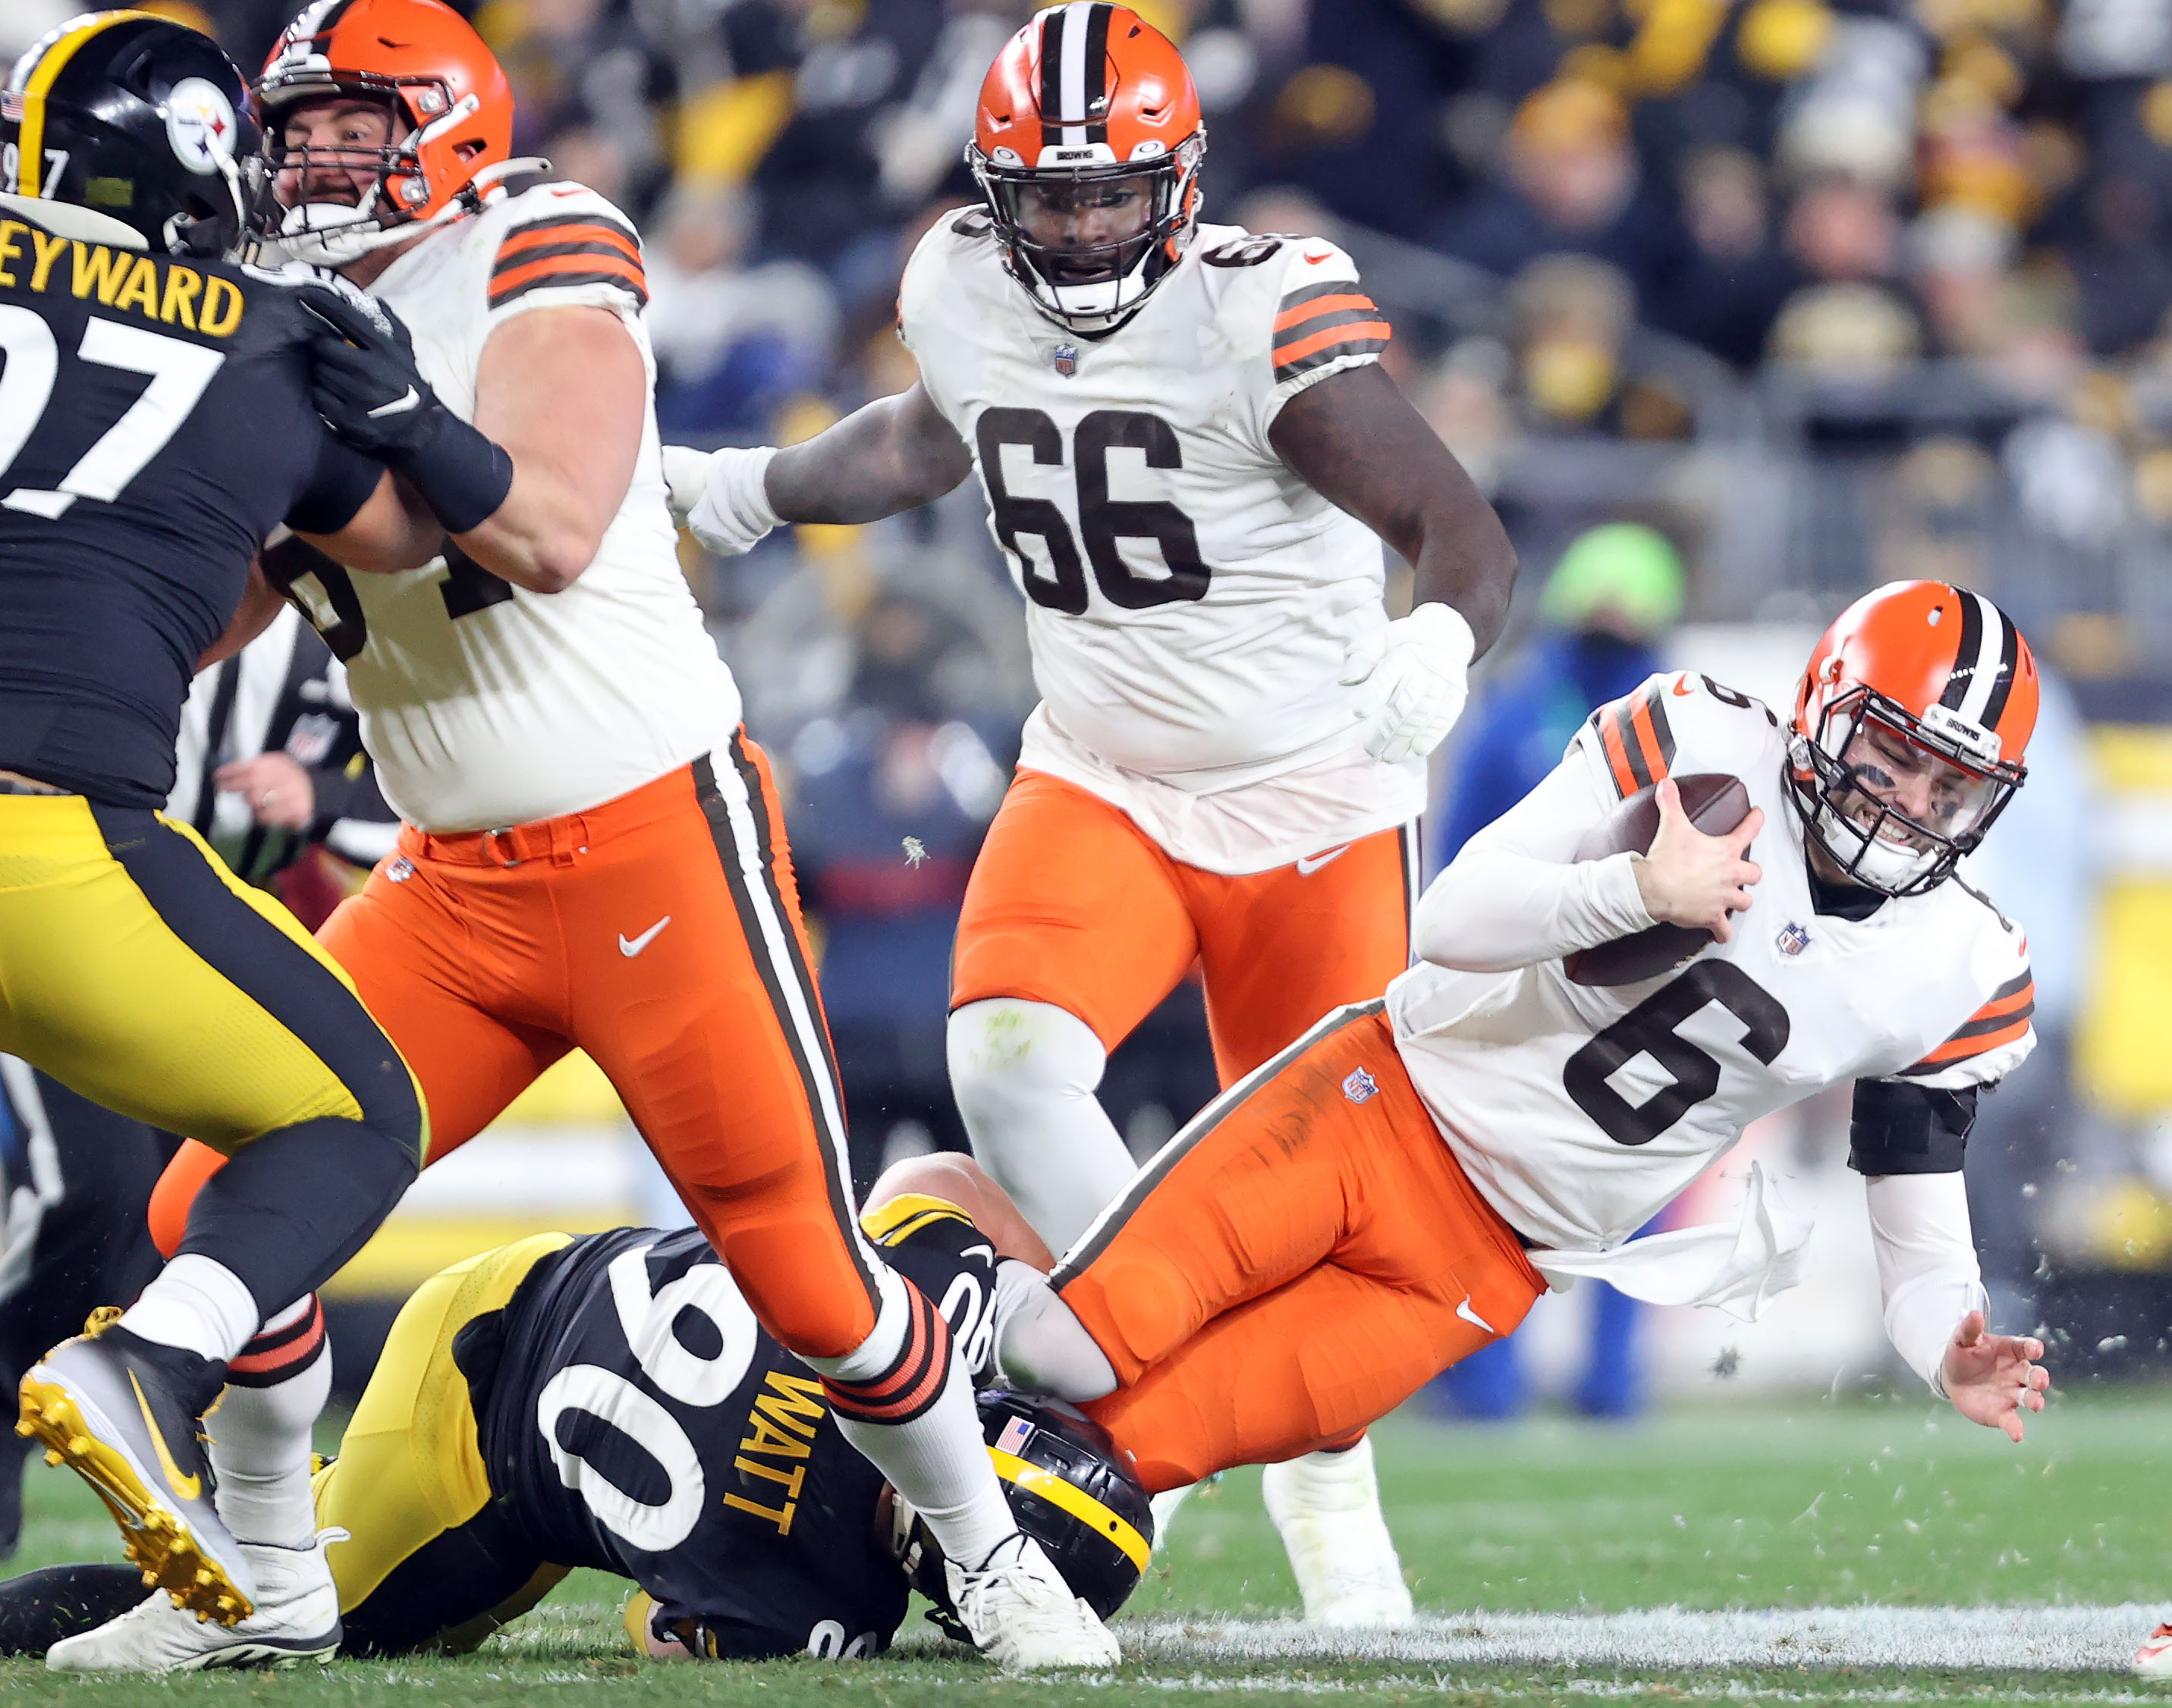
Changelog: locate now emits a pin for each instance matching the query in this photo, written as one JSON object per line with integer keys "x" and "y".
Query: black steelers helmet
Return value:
{"x": 1073, "y": 1494}
{"x": 136, "y": 117}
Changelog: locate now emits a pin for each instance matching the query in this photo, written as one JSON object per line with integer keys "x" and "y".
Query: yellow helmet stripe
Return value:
{"x": 31, "y": 143}
{"x": 892, "y": 1220}
{"x": 1073, "y": 1500}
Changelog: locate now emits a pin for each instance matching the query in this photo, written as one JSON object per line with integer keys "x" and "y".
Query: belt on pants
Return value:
{"x": 559, "y": 841}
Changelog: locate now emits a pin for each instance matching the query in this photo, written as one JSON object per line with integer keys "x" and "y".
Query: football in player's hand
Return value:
{"x": 1715, "y": 803}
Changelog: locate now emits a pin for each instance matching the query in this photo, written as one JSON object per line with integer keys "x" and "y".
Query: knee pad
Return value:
{"x": 1005, "y": 1050}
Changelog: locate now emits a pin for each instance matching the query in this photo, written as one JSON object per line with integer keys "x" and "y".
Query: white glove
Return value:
{"x": 1411, "y": 678}
{"x": 722, "y": 496}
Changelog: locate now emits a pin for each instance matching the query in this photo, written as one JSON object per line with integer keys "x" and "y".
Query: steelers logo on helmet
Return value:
{"x": 199, "y": 125}
{"x": 1087, "y": 147}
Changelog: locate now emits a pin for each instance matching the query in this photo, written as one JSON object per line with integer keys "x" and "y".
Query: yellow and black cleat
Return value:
{"x": 122, "y": 1413}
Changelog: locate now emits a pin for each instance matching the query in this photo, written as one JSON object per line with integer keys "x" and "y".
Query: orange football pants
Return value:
{"x": 1072, "y": 904}
{"x": 661, "y": 933}
{"x": 1296, "y": 1263}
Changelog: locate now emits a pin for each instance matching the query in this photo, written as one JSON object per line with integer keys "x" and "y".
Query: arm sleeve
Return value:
{"x": 1515, "y": 896}
{"x": 338, "y": 487}
{"x": 1927, "y": 1265}
{"x": 1899, "y": 1127}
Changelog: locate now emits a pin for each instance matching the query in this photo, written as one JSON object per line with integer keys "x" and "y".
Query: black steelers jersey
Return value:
{"x": 641, "y": 1422}
{"x": 155, "y": 426}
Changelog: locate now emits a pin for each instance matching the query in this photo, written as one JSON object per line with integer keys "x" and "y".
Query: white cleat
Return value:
{"x": 2154, "y": 1659}
{"x": 1023, "y": 1616}
{"x": 296, "y": 1619}
{"x": 1327, "y": 1507}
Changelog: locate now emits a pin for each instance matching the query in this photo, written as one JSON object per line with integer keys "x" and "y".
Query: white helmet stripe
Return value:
{"x": 1990, "y": 658}
{"x": 1073, "y": 21}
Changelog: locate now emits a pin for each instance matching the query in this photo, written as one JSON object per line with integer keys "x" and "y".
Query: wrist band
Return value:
{"x": 461, "y": 475}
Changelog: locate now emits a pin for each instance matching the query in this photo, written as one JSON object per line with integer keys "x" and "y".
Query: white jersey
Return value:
{"x": 1577, "y": 1111}
{"x": 484, "y": 705}
{"x": 1190, "y": 598}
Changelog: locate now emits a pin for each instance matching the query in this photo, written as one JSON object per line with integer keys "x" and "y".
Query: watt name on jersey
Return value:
{"x": 1190, "y": 598}
{"x": 1580, "y": 1111}
{"x": 644, "y": 1424}
{"x": 482, "y": 704}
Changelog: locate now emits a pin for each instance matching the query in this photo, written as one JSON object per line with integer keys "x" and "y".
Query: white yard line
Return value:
{"x": 2031, "y": 1639}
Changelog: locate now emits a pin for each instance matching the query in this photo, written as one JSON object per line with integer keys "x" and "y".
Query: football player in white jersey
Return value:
{"x": 1191, "y": 456}
{"x": 593, "y": 853}
{"x": 1394, "y": 1189}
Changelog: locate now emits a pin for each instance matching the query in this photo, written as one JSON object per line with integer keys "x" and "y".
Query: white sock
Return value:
{"x": 1040, "y": 1346}
{"x": 260, "y": 1447}
{"x": 197, "y": 1304}
{"x": 1024, "y": 1075}
{"x": 937, "y": 1461}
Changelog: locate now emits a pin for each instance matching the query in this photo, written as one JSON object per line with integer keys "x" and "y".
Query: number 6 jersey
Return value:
{"x": 1190, "y": 598}
{"x": 1578, "y": 1112}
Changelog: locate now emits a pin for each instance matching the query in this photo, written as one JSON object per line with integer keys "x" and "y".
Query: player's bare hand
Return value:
{"x": 1411, "y": 678}
{"x": 1993, "y": 1378}
{"x": 1692, "y": 879}
{"x": 279, "y": 791}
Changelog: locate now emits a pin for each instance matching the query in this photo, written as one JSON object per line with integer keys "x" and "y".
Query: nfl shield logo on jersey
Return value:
{"x": 1064, "y": 359}
{"x": 1792, "y": 939}
{"x": 1360, "y": 1087}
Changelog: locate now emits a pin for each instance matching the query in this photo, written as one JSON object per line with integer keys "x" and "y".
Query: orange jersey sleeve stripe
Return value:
{"x": 1961, "y": 1049}
{"x": 532, "y": 241}
{"x": 568, "y": 270}
{"x": 586, "y": 224}
{"x": 1286, "y": 353}
{"x": 1325, "y": 305}
{"x": 1617, "y": 757}
{"x": 1658, "y": 754}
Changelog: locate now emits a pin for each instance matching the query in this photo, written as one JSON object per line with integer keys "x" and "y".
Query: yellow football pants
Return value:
{"x": 137, "y": 969}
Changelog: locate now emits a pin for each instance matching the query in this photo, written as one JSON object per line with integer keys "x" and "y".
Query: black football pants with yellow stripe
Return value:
{"x": 137, "y": 970}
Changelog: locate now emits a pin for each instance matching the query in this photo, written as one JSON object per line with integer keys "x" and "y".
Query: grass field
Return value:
{"x": 1864, "y": 1552}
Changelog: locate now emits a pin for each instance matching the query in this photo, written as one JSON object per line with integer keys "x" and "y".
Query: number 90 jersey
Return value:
{"x": 1190, "y": 597}
{"x": 1580, "y": 1111}
{"x": 641, "y": 1422}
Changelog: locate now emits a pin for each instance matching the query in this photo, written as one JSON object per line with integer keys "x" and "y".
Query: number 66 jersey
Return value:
{"x": 1190, "y": 598}
{"x": 1578, "y": 1112}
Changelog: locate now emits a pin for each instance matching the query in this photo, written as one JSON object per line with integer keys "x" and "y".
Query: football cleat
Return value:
{"x": 125, "y": 1414}
{"x": 1327, "y": 1507}
{"x": 296, "y": 1619}
{"x": 2154, "y": 1659}
{"x": 1020, "y": 1612}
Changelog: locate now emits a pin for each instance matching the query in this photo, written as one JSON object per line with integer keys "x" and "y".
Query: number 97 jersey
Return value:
{"x": 1191, "y": 598}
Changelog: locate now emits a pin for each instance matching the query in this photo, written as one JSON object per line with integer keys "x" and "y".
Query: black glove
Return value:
{"x": 366, "y": 385}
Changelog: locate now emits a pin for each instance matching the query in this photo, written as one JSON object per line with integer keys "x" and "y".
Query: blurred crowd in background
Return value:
{"x": 1812, "y": 294}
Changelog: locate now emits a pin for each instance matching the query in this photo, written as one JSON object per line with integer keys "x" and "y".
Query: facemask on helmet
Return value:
{"x": 1087, "y": 147}
{"x": 136, "y": 119}
{"x": 1909, "y": 733}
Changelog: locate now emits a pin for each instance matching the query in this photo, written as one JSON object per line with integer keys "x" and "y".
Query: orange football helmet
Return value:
{"x": 1087, "y": 147}
{"x": 1911, "y": 728}
{"x": 429, "y": 68}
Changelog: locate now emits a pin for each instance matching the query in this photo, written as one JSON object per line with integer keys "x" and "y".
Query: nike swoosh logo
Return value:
{"x": 629, "y": 949}
{"x": 188, "y": 1488}
{"x": 1316, "y": 260}
{"x": 1682, "y": 689}
{"x": 397, "y": 405}
{"x": 1310, "y": 863}
{"x": 1469, "y": 1315}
